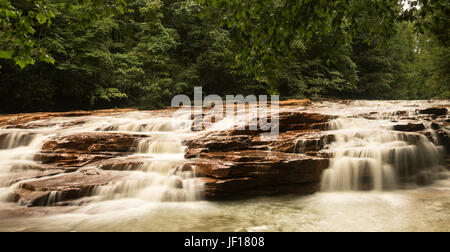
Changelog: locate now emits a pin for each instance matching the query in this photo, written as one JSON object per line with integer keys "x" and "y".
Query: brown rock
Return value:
{"x": 409, "y": 127}
{"x": 444, "y": 139}
{"x": 255, "y": 171}
{"x": 66, "y": 187}
{"x": 128, "y": 164}
{"x": 22, "y": 121}
{"x": 71, "y": 161}
{"x": 434, "y": 111}
{"x": 295, "y": 103}
{"x": 217, "y": 142}
{"x": 92, "y": 143}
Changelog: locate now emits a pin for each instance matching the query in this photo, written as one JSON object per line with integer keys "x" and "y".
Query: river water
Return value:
{"x": 422, "y": 209}
{"x": 136, "y": 205}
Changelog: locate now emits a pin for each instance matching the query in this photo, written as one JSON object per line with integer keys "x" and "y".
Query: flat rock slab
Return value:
{"x": 258, "y": 171}
{"x": 23, "y": 121}
{"x": 93, "y": 143}
{"x": 409, "y": 127}
{"x": 434, "y": 111}
{"x": 65, "y": 187}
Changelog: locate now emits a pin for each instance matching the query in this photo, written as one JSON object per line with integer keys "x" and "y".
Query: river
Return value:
{"x": 141, "y": 203}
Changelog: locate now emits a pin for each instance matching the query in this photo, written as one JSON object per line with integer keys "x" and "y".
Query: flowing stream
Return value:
{"x": 368, "y": 186}
{"x": 369, "y": 155}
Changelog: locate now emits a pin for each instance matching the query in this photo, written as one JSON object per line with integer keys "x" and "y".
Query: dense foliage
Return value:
{"x": 88, "y": 54}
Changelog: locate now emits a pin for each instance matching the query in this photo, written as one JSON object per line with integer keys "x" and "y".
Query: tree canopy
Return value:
{"x": 87, "y": 54}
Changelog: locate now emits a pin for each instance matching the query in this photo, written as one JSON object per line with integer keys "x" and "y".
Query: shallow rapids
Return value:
{"x": 379, "y": 178}
{"x": 369, "y": 155}
{"x": 422, "y": 209}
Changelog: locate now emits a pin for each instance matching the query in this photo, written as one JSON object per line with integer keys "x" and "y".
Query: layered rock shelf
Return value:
{"x": 75, "y": 159}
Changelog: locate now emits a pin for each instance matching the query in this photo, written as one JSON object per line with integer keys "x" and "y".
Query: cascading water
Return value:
{"x": 17, "y": 151}
{"x": 155, "y": 179}
{"x": 156, "y": 191}
{"x": 369, "y": 155}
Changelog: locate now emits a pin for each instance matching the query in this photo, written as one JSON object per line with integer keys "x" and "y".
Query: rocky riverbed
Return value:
{"x": 60, "y": 162}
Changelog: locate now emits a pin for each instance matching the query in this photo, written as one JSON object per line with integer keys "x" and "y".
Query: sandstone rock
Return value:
{"x": 92, "y": 143}
{"x": 296, "y": 103}
{"x": 303, "y": 118}
{"x": 72, "y": 161}
{"x": 216, "y": 142}
{"x": 434, "y": 111}
{"x": 291, "y": 121}
{"x": 254, "y": 171}
{"x": 410, "y": 127}
{"x": 66, "y": 187}
{"x": 23, "y": 121}
{"x": 128, "y": 164}
{"x": 236, "y": 188}
{"x": 301, "y": 142}
{"x": 444, "y": 139}
{"x": 13, "y": 178}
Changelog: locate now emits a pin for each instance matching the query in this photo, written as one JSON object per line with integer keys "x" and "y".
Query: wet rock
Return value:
{"x": 303, "y": 118}
{"x": 128, "y": 164}
{"x": 444, "y": 139}
{"x": 292, "y": 126}
{"x": 291, "y": 121}
{"x": 92, "y": 143}
{"x": 301, "y": 142}
{"x": 410, "y": 127}
{"x": 13, "y": 178}
{"x": 435, "y": 126}
{"x": 220, "y": 142}
{"x": 66, "y": 187}
{"x": 28, "y": 121}
{"x": 255, "y": 171}
{"x": 214, "y": 189}
{"x": 296, "y": 103}
{"x": 434, "y": 111}
{"x": 72, "y": 161}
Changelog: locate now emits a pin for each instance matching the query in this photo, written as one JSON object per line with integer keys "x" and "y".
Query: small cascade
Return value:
{"x": 17, "y": 150}
{"x": 150, "y": 146}
{"x": 159, "y": 178}
{"x": 150, "y": 125}
{"x": 369, "y": 155}
{"x": 15, "y": 139}
{"x": 300, "y": 146}
{"x": 156, "y": 181}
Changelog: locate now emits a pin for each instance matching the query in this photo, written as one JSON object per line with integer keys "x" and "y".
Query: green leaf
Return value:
{"x": 6, "y": 54}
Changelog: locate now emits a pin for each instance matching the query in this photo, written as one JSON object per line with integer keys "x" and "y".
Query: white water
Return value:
{"x": 157, "y": 198}
{"x": 17, "y": 150}
{"x": 369, "y": 155}
{"x": 162, "y": 152}
{"x": 155, "y": 180}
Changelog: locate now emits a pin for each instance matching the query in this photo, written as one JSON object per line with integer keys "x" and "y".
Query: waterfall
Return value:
{"x": 17, "y": 150}
{"x": 159, "y": 153}
{"x": 369, "y": 155}
{"x": 162, "y": 153}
